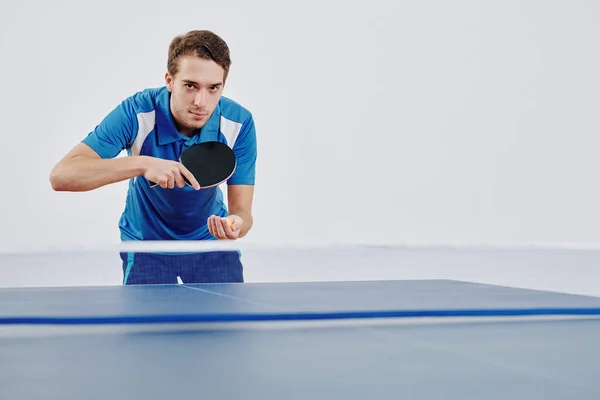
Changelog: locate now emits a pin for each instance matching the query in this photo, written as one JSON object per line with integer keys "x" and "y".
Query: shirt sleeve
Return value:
{"x": 115, "y": 132}
{"x": 245, "y": 150}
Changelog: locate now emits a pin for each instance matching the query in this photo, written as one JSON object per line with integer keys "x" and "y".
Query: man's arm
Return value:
{"x": 93, "y": 162}
{"x": 240, "y": 199}
{"x": 82, "y": 169}
{"x": 240, "y": 188}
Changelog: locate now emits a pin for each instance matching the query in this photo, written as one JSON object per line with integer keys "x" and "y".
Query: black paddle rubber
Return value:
{"x": 211, "y": 163}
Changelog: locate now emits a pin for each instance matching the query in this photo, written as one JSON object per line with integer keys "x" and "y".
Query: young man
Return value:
{"x": 154, "y": 126}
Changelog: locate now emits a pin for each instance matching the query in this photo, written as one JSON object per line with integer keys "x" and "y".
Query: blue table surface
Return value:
{"x": 517, "y": 359}
{"x": 277, "y": 298}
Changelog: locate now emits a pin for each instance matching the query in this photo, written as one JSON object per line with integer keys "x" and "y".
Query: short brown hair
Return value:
{"x": 200, "y": 43}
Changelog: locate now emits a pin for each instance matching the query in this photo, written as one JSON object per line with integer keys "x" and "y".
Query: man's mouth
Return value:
{"x": 198, "y": 115}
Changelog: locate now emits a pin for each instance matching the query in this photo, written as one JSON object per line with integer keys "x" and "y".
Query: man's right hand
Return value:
{"x": 82, "y": 169}
{"x": 168, "y": 174}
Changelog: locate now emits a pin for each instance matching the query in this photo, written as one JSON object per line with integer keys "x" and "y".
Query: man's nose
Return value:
{"x": 200, "y": 99}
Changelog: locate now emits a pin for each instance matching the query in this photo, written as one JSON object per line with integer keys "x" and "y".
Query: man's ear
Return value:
{"x": 169, "y": 82}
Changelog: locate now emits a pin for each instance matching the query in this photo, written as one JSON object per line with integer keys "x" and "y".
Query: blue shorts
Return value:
{"x": 207, "y": 267}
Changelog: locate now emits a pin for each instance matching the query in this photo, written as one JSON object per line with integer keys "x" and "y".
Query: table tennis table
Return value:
{"x": 414, "y": 339}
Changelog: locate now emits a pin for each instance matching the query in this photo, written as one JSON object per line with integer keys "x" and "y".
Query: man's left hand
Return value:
{"x": 225, "y": 228}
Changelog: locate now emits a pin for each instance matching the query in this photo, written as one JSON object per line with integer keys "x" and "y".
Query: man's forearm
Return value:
{"x": 82, "y": 173}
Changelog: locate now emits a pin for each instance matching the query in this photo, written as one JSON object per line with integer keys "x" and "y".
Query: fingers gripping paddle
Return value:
{"x": 211, "y": 163}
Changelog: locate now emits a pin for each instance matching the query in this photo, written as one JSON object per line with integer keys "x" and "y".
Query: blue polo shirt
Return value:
{"x": 143, "y": 125}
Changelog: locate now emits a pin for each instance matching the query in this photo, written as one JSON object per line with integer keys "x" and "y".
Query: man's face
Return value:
{"x": 195, "y": 92}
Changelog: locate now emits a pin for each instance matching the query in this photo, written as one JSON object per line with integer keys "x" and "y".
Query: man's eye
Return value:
{"x": 189, "y": 85}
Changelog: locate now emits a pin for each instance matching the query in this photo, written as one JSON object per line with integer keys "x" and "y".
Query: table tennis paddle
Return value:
{"x": 211, "y": 163}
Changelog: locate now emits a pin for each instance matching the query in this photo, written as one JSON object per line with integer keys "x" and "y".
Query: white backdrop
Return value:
{"x": 378, "y": 122}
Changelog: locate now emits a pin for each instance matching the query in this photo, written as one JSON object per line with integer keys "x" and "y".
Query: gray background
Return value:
{"x": 406, "y": 122}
